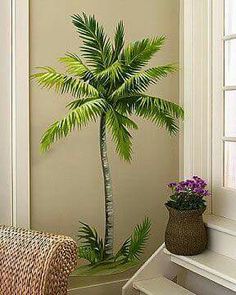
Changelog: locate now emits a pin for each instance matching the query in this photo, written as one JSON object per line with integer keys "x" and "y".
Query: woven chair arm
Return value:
{"x": 35, "y": 263}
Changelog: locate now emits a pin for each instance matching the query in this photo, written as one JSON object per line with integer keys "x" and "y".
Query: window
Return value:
{"x": 230, "y": 94}
{"x": 208, "y": 92}
{"x": 224, "y": 107}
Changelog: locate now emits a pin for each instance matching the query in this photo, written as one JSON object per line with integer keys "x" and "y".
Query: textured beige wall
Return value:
{"x": 66, "y": 182}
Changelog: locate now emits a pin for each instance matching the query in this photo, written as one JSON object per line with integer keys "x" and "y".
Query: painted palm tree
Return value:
{"x": 109, "y": 87}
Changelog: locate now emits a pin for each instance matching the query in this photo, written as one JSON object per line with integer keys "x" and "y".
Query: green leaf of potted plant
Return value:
{"x": 186, "y": 233}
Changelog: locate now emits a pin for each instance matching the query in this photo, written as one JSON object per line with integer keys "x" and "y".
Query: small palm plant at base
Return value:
{"x": 110, "y": 87}
{"x": 92, "y": 250}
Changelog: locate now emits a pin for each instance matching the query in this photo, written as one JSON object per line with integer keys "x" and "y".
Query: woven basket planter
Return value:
{"x": 185, "y": 233}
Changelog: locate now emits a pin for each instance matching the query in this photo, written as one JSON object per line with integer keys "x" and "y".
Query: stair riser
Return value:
{"x": 202, "y": 286}
{"x": 204, "y": 272}
{"x": 222, "y": 243}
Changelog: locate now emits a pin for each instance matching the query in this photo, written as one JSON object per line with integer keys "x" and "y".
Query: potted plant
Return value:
{"x": 106, "y": 82}
{"x": 186, "y": 233}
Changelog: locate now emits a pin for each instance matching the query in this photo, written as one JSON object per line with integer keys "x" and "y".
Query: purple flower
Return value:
{"x": 188, "y": 194}
{"x": 196, "y": 178}
{"x": 200, "y": 182}
{"x": 198, "y": 190}
{"x": 195, "y": 186}
{"x": 206, "y": 193}
{"x": 172, "y": 184}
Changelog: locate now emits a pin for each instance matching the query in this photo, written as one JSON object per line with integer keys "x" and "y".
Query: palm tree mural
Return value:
{"x": 107, "y": 83}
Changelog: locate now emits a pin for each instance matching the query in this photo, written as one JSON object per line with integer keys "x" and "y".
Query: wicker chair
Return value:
{"x": 34, "y": 263}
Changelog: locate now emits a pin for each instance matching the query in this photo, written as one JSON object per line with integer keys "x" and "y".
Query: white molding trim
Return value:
{"x": 20, "y": 114}
{"x": 195, "y": 88}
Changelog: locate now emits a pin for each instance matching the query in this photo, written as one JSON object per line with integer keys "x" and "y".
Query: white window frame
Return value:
{"x": 196, "y": 89}
{"x": 201, "y": 91}
{"x": 224, "y": 198}
{"x": 15, "y": 206}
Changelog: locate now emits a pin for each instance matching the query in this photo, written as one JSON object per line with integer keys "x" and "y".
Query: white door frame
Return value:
{"x": 14, "y": 114}
{"x": 5, "y": 113}
{"x": 20, "y": 113}
{"x": 196, "y": 89}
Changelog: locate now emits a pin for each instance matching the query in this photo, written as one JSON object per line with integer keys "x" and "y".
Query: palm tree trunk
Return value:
{"x": 109, "y": 210}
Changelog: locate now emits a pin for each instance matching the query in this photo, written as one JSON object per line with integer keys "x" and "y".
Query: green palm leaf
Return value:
{"x": 119, "y": 40}
{"x": 137, "y": 54}
{"x": 139, "y": 239}
{"x": 112, "y": 74}
{"x": 87, "y": 110}
{"x": 50, "y": 78}
{"x": 97, "y": 47}
{"x": 123, "y": 252}
{"x": 141, "y": 80}
{"x": 76, "y": 67}
{"x": 149, "y": 108}
{"x": 162, "y": 112}
{"x": 118, "y": 124}
{"x": 92, "y": 247}
{"x": 88, "y": 254}
{"x": 167, "y": 106}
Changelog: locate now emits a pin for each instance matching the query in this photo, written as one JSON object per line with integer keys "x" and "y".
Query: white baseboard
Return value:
{"x": 114, "y": 288}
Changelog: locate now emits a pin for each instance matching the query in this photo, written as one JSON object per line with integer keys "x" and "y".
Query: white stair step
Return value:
{"x": 160, "y": 286}
{"x": 211, "y": 265}
{"x": 221, "y": 224}
{"x": 222, "y": 235}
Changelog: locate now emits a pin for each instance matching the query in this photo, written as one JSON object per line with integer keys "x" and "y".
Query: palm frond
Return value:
{"x": 127, "y": 104}
{"x": 50, "y": 78}
{"x": 165, "y": 105}
{"x": 162, "y": 112}
{"x": 112, "y": 74}
{"x": 123, "y": 252}
{"x": 91, "y": 242}
{"x": 119, "y": 40}
{"x": 97, "y": 47}
{"x": 76, "y": 67}
{"x": 138, "y": 239}
{"x": 137, "y": 54}
{"x": 74, "y": 104}
{"x": 141, "y": 80}
{"x": 87, "y": 110}
{"x": 117, "y": 125}
{"x": 133, "y": 247}
{"x": 149, "y": 108}
{"x": 88, "y": 254}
